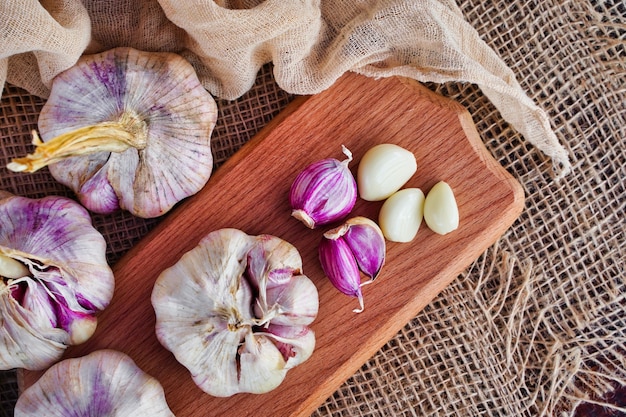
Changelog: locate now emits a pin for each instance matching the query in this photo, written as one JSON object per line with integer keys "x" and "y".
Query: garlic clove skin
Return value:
{"x": 340, "y": 267}
{"x": 67, "y": 278}
{"x": 441, "y": 212}
{"x": 401, "y": 215}
{"x": 296, "y": 343}
{"x": 354, "y": 248}
{"x": 290, "y": 304}
{"x": 37, "y": 300}
{"x": 97, "y": 194}
{"x": 325, "y": 191}
{"x": 105, "y": 383}
{"x": 383, "y": 170}
{"x": 234, "y": 311}
{"x": 261, "y": 365}
{"x": 80, "y": 326}
{"x": 367, "y": 243}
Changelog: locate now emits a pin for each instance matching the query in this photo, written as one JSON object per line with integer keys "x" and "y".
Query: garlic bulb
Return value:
{"x": 357, "y": 246}
{"x": 104, "y": 383}
{"x": 54, "y": 278}
{"x": 126, "y": 129}
{"x": 323, "y": 192}
{"x": 441, "y": 212}
{"x": 383, "y": 170}
{"x": 235, "y": 312}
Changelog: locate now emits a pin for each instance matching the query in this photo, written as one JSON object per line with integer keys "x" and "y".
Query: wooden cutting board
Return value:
{"x": 250, "y": 192}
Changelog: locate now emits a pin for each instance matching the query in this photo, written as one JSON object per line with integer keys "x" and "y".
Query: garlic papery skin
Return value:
{"x": 441, "y": 212}
{"x": 104, "y": 383}
{"x": 401, "y": 215}
{"x": 126, "y": 129}
{"x": 324, "y": 192}
{"x": 341, "y": 269}
{"x": 296, "y": 343}
{"x": 235, "y": 311}
{"x": 354, "y": 248}
{"x": 383, "y": 170}
{"x": 67, "y": 282}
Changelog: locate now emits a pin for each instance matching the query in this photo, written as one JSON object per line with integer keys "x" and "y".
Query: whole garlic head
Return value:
{"x": 126, "y": 129}
{"x": 235, "y": 312}
{"x": 104, "y": 383}
{"x": 54, "y": 278}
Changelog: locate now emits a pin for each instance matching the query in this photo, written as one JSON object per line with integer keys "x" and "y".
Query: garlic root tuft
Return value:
{"x": 128, "y": 132}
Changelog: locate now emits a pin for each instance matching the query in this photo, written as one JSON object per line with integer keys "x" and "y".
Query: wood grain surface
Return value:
{"x": 250, "y": 192}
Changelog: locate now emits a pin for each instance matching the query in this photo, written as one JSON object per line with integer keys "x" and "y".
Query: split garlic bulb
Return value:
{"x": 126, "y": 129}
{"x": 104, "y": 383}
{"x": 235, "y": 312}
{"x": 54, "y": 278}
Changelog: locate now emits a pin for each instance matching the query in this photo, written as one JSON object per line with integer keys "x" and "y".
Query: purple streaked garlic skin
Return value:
{"x": 355, "y": 248}
{"x": 324, "y": 192}
{"x": 126, "y": 129}
{"x": 104, "y": 383}
{"x": 339, "y": 265}
{"x": 235, "y": 311}
{"x": 64, "y": 281}
{"x": 366, "y": 241}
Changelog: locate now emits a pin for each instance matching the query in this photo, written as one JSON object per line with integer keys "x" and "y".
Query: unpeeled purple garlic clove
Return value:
{"x": 325, "y": 191}
{"x": 367, "y": 243}
{"x": 104, "y": 383}
{"x": 354, "y": 248}
{"x": 126, "y": 129}
{"x": 341, "y": 269}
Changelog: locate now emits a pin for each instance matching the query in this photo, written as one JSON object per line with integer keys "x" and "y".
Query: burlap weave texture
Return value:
{"x": 536, "y": 325}
{"x": 311, "y": 43}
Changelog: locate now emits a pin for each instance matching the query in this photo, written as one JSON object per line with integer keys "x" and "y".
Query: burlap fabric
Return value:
{"x": 310, "y": 43}
{"x": 536, "y": 325}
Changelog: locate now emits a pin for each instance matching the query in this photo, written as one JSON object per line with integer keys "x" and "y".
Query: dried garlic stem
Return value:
{"x": 115, "y": 136}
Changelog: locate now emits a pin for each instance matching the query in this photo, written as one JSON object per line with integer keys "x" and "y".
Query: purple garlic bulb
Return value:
{"x": 54, "y": 279}
{"x": 104, "y": 383}
{"x": 126, "y": 129}
{"x": 323, "y": 192}
{"x": 354, "y": 248}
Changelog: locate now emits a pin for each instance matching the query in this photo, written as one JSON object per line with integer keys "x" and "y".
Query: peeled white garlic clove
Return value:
{"x": 441, "y": 212}
{"x": 401, "y": 215}
{"x": 10, "y": 268}
{"x": 356, "y": 247}
{"x": 104, "y": 383}
{"x": 126, "y": 129}
{"x": 325, "y": 191}
{"x": 235, "y": 312}
{"x": 63, "y": 281}
{"x": 383, "y": 170}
